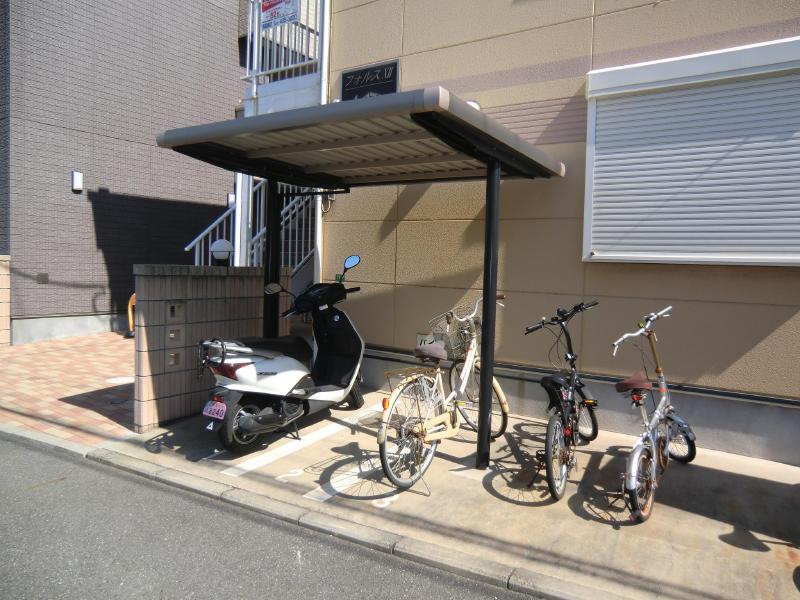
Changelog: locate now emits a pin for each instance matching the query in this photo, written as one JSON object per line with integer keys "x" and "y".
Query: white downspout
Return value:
{"x": 325, "y": 29}
{"x": 240, "y": 219}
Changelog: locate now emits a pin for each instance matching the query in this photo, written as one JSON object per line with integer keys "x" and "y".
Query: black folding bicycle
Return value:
{"x": 571, "y": 405}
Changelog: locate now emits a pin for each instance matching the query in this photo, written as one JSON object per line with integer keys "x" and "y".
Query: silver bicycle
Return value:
{"x": 666, "y": 435}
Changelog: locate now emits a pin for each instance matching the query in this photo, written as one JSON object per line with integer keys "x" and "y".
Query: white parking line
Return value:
{"x": 343, "y": 481}
{"x": 292, "y": 446}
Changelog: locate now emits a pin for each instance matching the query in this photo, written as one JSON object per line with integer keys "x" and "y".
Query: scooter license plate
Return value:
{"x": 215, "y": 410}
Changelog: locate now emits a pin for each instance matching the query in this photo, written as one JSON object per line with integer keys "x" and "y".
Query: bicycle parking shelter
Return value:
{"x": 419, "y": 136}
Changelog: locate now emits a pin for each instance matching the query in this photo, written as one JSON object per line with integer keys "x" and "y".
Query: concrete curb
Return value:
{"x": 44, "y": 439}
{"x": 283, "y": 511}
{"x": 466, "y": 565}
{"x": 126, "y": 463}
{"x": 551, "y": 588}
{"x": 446, "y": 559}
{"x": 377, "y": 539}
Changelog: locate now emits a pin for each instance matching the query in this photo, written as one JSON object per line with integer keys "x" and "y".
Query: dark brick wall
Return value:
{"x": 93, "y": 83}
{"x": 4, "y": 131}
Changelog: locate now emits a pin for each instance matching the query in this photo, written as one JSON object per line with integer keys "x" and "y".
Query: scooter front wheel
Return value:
{"x": 355, "y": 399}
{"x": 233, "y": 438}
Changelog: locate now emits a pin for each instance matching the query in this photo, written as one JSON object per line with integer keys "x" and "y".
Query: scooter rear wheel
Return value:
{"x": 231, "y": 437}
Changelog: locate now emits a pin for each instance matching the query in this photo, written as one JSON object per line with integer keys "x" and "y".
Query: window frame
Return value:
{"x": 694, "y": 70}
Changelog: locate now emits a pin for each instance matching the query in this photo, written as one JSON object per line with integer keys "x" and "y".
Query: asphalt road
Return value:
{"x": 74, "y": 529}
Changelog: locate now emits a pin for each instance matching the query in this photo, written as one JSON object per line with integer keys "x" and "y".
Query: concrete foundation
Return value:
{"x": 755, "y": 428}
{"x": 34, "y": 329}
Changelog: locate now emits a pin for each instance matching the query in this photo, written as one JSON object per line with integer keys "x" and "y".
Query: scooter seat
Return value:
{"x": 434, "y": 352}
{"x": 294, "y": 346}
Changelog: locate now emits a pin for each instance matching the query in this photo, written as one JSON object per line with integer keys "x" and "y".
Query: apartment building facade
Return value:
{"x": 86, "y": 87}
{"x": 681, "y": 188}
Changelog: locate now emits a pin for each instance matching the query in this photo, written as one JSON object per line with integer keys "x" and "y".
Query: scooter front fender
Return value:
{"x": 678, "y": 423}
{"x": 633, "y": 463}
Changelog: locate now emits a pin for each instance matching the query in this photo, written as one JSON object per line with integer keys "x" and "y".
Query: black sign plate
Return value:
{"x": 370, "y": 81}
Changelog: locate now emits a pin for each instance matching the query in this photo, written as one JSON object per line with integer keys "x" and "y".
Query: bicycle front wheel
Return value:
{"x": 469, "y": 407}
{"x": 641, "y": 498}
{"x": 404, "y": 454}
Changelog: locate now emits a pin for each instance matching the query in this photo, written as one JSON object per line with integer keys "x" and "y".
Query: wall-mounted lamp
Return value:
{"x": 77, "y": 182}
{"x": 221, "y": 251}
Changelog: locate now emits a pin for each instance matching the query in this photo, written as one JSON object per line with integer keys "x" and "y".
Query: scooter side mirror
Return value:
{"x": 349, "y": 262}
{"x": 273, "y": 288}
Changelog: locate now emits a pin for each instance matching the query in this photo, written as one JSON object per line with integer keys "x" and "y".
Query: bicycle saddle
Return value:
{"x": 637, "y": 381}
{"x": 434, "y": 352}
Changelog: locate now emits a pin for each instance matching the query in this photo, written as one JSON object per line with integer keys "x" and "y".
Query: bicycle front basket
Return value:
{"x": 451, "y": 335}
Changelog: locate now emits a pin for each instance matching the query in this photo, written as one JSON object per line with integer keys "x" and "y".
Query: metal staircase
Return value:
{"x": 287, "y": 67}
{"x": 298, "y": 229}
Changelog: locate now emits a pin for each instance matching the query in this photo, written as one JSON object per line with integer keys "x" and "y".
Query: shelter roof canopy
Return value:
{"x": 421, "y": 135}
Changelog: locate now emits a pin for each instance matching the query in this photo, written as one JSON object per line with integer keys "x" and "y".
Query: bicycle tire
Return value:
{"x": 392, "y": 462}
{"x": 555, "y": 448}
{"x": 469, "y": 412}
{"x": 684, "y": 456}
{"x": 642, "y": 498}
{"x": 587, "y": 422}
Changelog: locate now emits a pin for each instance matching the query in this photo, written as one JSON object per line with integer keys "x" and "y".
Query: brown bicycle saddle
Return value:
{"x": 637, "y": 381}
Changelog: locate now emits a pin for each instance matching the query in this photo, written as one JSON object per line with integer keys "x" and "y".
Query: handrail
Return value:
{"x": 208, "y": 229}
{"x": 307, "y": 63}
{"x": 299, "y": 265}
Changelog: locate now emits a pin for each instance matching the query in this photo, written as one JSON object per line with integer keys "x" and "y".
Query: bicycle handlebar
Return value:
{"x": 471, "y": 316}
{"x": 562, "y": 316}
{"x": 643, "y": 327}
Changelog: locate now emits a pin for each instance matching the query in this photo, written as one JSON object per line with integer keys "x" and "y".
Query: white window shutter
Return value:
{"x": 704, "y": 174}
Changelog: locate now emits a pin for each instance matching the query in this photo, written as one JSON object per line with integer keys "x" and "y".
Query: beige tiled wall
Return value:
{"x": 176, "y": 307}
{"x": 526, "y": 62}
{"x": 5, "y": 300}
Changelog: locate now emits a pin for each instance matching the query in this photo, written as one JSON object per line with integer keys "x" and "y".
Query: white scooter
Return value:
{"x": 267, "y": 384}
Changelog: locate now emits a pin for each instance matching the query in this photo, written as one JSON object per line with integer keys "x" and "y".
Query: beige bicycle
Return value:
{"x": 419, "y": 414}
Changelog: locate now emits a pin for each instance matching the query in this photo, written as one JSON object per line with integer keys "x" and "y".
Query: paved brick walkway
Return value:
{"x": 79, "y": 388}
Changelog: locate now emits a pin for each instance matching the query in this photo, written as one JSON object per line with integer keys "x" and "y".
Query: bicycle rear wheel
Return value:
{"x": 556, "y": 456}
{"x": 587, "y": 422}
{"x": 404, "y": 454}
{"x": 469, "y": 411}
{"x": 681, "y": 448}
{"x": 641, "y": 498}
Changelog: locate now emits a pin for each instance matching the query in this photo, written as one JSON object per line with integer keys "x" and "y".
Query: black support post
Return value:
{"x": 489, "y": 312}
{"x": 272, "y": 257}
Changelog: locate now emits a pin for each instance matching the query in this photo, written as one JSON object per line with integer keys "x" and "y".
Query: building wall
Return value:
{"x": 92, "y": 85}
{"x": 4, "y": 129}
{"x": 5, "y": 301}
{"x": 734, "y": 327}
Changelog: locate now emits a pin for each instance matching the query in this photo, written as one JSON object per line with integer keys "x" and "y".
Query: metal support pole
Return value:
{"x": 489, "y": 312}
{"x": 272, "y": 257}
